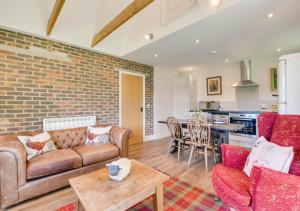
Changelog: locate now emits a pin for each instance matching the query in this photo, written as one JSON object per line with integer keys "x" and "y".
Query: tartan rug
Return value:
{"x": 178, "y": 195}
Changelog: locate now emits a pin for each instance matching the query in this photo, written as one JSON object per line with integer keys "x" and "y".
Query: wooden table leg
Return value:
{"x": 80, "y": 207}
{"x": 159, "y": 198}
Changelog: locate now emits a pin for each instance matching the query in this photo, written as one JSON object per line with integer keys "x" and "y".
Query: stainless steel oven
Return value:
{"x": 250, "y": 122}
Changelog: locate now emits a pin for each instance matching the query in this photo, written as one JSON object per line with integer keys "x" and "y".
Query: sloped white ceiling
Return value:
{"x": 80, "y": 20}
{"x": 240, "y": 32}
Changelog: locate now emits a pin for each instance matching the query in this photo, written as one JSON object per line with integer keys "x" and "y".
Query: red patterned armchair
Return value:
{"x": 265, "y": 189}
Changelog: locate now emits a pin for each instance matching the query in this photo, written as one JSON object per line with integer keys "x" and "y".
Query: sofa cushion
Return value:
{"x": 53, "y": 162}
{"x": 94, "y": 153}
{"x": 286, "y": 131}
{"x": 97, "y": 135}
{"x": 38, "y": 144}
{"x": 232, "y": 184}
{"x": 68, "y": 138}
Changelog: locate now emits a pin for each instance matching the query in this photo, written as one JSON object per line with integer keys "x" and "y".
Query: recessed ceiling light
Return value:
{"x": 270, "y": 15}
{"x": 226, "y": 60}
{"x": 149, "y": 36}
{"x": 213, "y": 52}
{"x": 215, "y": 3}
{"x": 278, "y": 49}
{"x": 155, "y": 55}
{"x": 197, "y": 41}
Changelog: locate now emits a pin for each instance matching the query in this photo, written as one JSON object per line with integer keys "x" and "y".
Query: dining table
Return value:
{"x": 219, "y": 133}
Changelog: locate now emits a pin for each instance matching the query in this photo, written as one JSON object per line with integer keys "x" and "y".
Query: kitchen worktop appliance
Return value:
{"x": 247, "y": 135}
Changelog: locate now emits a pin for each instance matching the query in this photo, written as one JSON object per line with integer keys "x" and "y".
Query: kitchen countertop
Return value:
{"x": 222, "y": 127}
{"x": 229, "y": 111}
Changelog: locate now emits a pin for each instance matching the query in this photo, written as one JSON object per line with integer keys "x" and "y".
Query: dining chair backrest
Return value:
{"x": 199, "y": 132}
{"x": 174, "y": 127}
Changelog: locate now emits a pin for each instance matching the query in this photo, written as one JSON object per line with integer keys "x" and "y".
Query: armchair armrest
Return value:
{"x": 119, "y": 136}
{"x": 272, "y": 190}
{"x": 234, "y": 156}
{"x": 13, "y": 169}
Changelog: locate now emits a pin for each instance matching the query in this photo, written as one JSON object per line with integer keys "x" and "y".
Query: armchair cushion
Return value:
{"x": 272, "y": 189}
{"x": 231, "y": 184}
{"x": 53, "y": 162}
{"x": 97, "y": 152}
{"x": 295, "y": 166}
{"x": 268, "y": 154}
{"x": 234, "y": 156}
{"x": 265, "y": 124}
{"x": 286, "y": 131}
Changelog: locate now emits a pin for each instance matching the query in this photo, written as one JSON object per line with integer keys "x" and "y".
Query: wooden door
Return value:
{"x": 132, "y": 106}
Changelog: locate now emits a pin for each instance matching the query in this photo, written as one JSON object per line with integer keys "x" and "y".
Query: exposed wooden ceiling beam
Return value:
{"x": 131, "y": 10}
{"x": 54, "y": 15}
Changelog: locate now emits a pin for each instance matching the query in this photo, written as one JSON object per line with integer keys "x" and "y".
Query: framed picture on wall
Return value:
{"x": 274, "y": 79}
{"x": 214, "y": 85}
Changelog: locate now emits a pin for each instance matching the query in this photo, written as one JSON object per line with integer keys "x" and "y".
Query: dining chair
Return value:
{"x": 200, "y": 139}
{"x": 178, "y": 140}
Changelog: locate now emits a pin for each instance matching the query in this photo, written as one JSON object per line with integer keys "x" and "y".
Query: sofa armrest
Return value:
{"x": 119, "y": 136}
{"x": 272, "y": 190}
{"x": 234, "y": 156}
{"x": 13, "y": 170}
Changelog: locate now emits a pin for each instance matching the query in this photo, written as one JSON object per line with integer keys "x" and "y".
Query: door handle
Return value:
{"x": 141, "y": 109}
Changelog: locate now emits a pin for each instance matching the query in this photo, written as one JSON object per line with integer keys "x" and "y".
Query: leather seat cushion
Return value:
{"x": 97, "y": 152}
{"x": 231, "y": 184}
{"x": 53, "y": 162}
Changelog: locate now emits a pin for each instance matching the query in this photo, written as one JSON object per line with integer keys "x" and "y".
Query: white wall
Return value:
{"x": 181, "y": 96}
{"x": 163, "y": 99}
{"x": 238, "y": 98}
{"x": 261, "y": 74}
{"x": 172, "y": 89}
{"x": 229, "y": 73}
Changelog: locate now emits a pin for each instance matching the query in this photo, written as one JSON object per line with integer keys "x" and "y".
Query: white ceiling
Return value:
{"x": 239, "y": 32}
{"x": 237, "y": 29}
{"x": 80, "y": 20}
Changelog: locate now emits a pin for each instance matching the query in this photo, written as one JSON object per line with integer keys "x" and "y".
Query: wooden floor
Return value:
{"x": 152, "y": 153}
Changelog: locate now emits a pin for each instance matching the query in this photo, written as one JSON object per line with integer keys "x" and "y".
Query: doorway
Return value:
{"x": 132, "y": 95}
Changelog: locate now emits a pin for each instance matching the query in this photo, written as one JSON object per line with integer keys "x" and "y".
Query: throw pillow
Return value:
{"x": 38, "y": 144}
{"x": 269, "y": 155}
{"x": 97, "y": 135}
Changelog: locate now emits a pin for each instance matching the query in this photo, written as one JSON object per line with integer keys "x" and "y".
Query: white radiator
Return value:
{"x": 68, "y": 122}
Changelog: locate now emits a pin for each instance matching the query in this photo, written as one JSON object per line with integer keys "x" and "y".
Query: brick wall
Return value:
{"x": 33, "y": 87}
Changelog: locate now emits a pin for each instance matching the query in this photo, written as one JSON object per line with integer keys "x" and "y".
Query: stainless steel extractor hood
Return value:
{"x": 245, "y": 75}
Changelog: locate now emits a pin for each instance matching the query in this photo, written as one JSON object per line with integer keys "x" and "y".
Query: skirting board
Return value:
{"x": 156, "y": 136}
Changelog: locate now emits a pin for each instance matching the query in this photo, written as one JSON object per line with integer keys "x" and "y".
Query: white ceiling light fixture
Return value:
{"x": 155, "y": 55}
{"x": 215, "y": 3}
{"x": 149, "y": 36}
{"x": 187, "y": 69}
{"x": 197, "y": 41}
{"x": 270, "y": 15}
{"x": 278, "y": 49}
{"x": 213, "y": 52}
{"x": 226, "y": 60}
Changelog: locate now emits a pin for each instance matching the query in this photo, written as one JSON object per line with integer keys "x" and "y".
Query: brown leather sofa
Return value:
{"x": 21, "y": 179}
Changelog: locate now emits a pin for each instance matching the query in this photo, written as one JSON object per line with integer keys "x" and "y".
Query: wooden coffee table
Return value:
{"x": 97, "y": 192}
